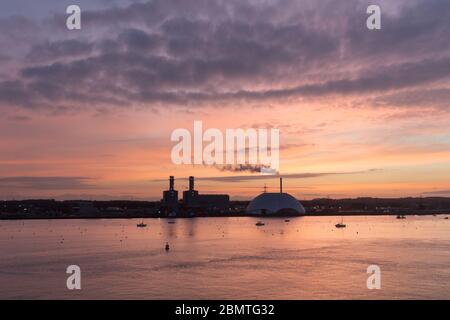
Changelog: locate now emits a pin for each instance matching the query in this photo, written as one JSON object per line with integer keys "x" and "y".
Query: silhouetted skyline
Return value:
{"x": 88, "y": 113}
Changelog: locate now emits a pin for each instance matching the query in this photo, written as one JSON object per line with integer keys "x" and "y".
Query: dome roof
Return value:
{"x": 275, "y": 203}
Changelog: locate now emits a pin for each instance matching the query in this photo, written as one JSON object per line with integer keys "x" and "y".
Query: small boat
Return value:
{"x": 401, "y": 217}
{"x": 167, "y": 248}
{"x": 259, "y": 223}
{"x": 446, "y": 218}
{"x": 141, "y": 225}
{"x": 340, "y": 224}
{"x": 287, "y": 220}
{"x": 170, "y": 222}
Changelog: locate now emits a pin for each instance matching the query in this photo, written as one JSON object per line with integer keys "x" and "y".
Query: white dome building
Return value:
{"x": 279, "y": 203}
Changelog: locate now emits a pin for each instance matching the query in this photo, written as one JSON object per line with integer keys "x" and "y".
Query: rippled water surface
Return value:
{"x": 227, "y": 258}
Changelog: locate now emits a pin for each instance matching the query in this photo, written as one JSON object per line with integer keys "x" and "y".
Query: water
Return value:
{"x": 227, "y": 258}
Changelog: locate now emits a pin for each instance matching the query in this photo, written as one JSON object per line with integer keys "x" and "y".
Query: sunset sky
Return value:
{"x": 89, "y": 113}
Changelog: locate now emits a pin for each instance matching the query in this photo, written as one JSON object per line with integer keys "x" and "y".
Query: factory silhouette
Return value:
{"x": 193, "y": 203}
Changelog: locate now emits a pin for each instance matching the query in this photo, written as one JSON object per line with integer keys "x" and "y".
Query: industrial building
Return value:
{"x": 192, "y": 201}
{"x": 170, "y": 197}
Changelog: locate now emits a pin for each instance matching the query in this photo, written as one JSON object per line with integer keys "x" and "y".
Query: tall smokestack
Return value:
{"x": 281, "y": 184}
{"x": 191, "y": 183}
{"x": 171, "y": 183}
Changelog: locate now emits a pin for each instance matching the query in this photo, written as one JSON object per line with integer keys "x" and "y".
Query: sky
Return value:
{"x": 89, "y": 113}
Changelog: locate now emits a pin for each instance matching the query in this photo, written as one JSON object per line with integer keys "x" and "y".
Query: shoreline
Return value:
{"x": 142, "y": 216}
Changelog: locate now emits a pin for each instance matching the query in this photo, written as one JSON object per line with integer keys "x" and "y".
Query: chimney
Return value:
{"x": 281, "y": 184}
{"x": 171, "y": 183}
{"x": 191, "y": 183}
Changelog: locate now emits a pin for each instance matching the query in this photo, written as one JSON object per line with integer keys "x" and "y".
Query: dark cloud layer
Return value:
{"x": 438, "y": 193}
{"x": 50, "y": 51}
{"x": 45, "y": 183}
{"x": 289, "y": 175}
{"x": 210, "y": 51}
{"x": 305, "y": 175}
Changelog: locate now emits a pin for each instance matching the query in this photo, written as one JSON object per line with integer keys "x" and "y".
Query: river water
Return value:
{"x": 226, "y": 258}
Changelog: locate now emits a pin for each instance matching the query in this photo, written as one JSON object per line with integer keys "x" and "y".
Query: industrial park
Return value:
{"x": 194, "y": 203}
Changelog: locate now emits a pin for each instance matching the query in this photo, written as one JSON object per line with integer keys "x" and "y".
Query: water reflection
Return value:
{"x": 227, "y": 258}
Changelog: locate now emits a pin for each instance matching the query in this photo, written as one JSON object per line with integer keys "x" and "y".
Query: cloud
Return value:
{"x": 139, "y": 40}
{"x": 290, "y": 175}
{"x": 4, "y": 58}
{"x": 236, "y": 179}
{"x": 207, "y": 52}
{"x": 243, "y": 168}
{"x": 19, "y": 118}
{"x": 438, "y": 193}
{"x": 51, "y": 51}
{"x": 45, "y": 183}
{"x": 437, "y": 98}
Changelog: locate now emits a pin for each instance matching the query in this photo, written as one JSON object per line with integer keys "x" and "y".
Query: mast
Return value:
{"x": 171, "y": 183}
{"x": 281, "y": 184}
